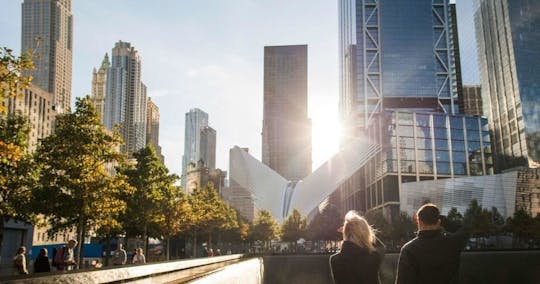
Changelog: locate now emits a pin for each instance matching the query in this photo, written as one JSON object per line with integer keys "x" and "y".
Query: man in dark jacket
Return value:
{"x": 433, "y": 256}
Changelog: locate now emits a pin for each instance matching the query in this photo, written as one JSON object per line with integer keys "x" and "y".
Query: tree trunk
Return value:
{"x": 194, "y": 249}
{"x": 209, "y": 240}
{"x": 2, "y": 221}
{"x": 81, "y": 232}
{"x": 107, "y": 250}
{"x": 145, "y": 240}
{"x": 168, "y": 247}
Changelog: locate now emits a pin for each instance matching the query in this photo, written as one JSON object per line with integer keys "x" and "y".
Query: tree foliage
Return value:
{"x": 238, "y": 234}
{"x": 477, "y": 220}
{"x": 152, "y": 182}
{"x": 175, "y": 213}
{"x": 13, "y": 78}
{"x": 402, "y": 228}
{"x": 294, "y": 227}
{"x": 324, "y": 226}
{"x": 17, "y": 171}
{"x": 76, "y": 190}
{"x": 454, "y": 220}
{"x": 522, "y": 226}
{"x": 209, "y": 213}
{"x": 265, "y": 228}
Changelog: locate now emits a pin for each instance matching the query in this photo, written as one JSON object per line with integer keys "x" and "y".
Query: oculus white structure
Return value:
{"x": 278, "y": 195}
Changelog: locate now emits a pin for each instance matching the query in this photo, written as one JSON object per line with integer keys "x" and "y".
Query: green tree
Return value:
{"x": 521, "y": 225}
{"x": 402, "y": 228}
{"x": 294, "y": 228}
{"x": 176, "y": 214}
{"x": 377, "y": 220}
{"x": 324, "y": 226}
{"x": 18, "y": 176}
{"x": 478, "y": 220}
{"x": 209, "y": 213}
{"x": 13, "y": 78}
{"x": 151, "y": 180}
{"x": 265, "y": 228}
{"x": 454, "y": 220}
{"x": 238, "y": 234}
{"x": 12, "y": 81}
{"x": 76, "y": 190}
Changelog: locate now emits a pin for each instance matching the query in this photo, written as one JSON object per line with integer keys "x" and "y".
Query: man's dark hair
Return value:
{"x": 429, "y": 214}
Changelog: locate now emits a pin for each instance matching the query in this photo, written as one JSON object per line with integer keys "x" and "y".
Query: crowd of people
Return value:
{"x": 63, "y": 259}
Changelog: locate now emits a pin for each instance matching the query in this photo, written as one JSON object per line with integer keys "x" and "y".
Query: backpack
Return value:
{"x": 58, "y": 256}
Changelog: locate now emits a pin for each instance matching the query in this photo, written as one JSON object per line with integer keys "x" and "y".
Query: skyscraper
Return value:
{"x": 47, "y": 29}
{"x": 208, "y": 146}
{"x": 508, "y": 40}
{"x": 399, "y": 86}
{"x": 196, "y": 119}
{"x": 152, "y": 127}
{"x": 99, "y": 86}
{"x": 394, "y": 54}
{"x": 125, "y": 101}
{"x": 286, "y": 135}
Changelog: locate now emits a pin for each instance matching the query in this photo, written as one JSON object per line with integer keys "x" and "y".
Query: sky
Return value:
{"x": 207, "y": 54}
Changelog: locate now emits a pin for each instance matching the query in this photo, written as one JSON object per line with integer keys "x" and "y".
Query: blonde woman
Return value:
{"x": 358, "y": 261}
{"x": 139, "y": 258}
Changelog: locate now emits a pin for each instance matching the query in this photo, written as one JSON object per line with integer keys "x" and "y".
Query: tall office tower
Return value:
{"x": 152, "y": 127}
{"x": 125, "y": 101}
{"x": 470, "y": 72}
{"x": 47, "y": 29}
{"x": 208, "y": 147}
{"x": 471, "y": 100}
{"x": 99, "y": 86}
{"x": 196, "y": 119}
{"x": 393, "y": 54}
{"x": 286, "y": 134}
{"x": 508, "y": 40}
{"x": 399, "y": 86}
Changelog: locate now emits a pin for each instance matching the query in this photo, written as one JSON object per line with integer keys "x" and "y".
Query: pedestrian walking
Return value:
{"x": 19, "y": 261}
{"x": 42, "y": 263}
{"x": 65, "y": 258}
{"x": 119, "y": 255}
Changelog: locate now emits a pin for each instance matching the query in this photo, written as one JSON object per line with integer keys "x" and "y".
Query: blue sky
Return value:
{"x": 207, "y": 54}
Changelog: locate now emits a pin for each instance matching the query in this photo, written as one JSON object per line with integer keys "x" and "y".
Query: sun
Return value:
{"x": 326, "y": 132}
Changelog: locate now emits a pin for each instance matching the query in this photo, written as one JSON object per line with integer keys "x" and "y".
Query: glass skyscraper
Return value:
{"x": 196, "y": 120}
{"x": 400, "y": 81}
{"x": 394, "y": 54}
{"x": 508, "y": 40}
{"x": 286, "y": 134}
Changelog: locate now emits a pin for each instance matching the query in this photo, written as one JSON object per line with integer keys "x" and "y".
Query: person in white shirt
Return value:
{"x": 139, "y": 258}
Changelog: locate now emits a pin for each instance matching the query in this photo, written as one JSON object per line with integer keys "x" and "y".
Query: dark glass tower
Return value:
{"x": 286, "y": 141}
{"x": 394, "y": 55}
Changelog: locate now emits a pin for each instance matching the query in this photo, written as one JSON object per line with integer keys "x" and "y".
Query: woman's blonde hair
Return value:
{"x": 357, "y": 230}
